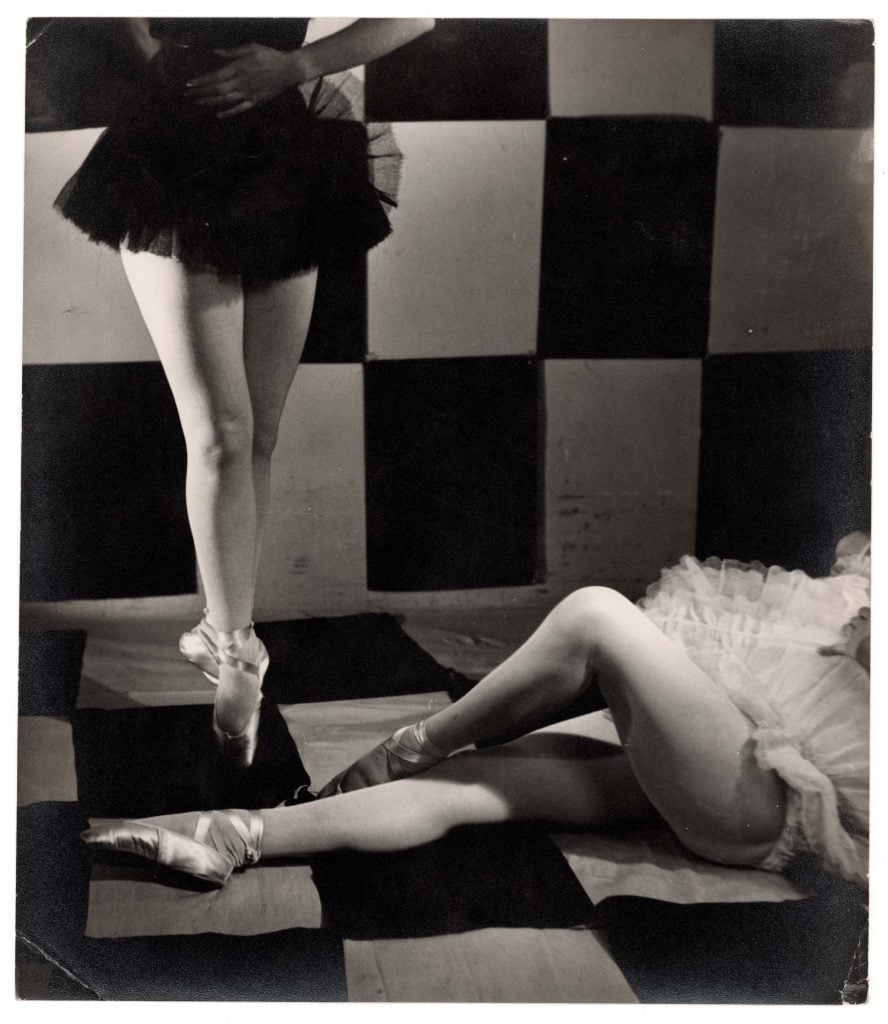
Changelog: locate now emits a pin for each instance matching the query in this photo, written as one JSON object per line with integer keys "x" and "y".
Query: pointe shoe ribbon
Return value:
{"x": 193, "y": 857}
{"x": 200, "y": 646}
{"x": 428, "y": 756}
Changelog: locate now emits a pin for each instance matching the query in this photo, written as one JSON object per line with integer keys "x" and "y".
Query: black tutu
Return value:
{"x": 286, "y": 186}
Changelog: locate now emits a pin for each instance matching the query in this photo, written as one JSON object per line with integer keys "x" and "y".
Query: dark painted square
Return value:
{"x": 49, "y": 670}
{"x": 338, "y": 329}
{"x": 453, "y": 473}
{"x": 79, "y": 72}
{"x": 103, "y": 484}
{"x": 492, "y": 876}
{"x": 348, "y": 657}
{"x": 794, "y": 74}
{"x": 37, "y": 977}
{"x": 52, "y": 878}
{"x": 784, "y": 457}
{"x": 795, "y": 951}
{"x": 628, "y": 211}
{"x": 465, "y": 69}
{"x": 136, "y": 762}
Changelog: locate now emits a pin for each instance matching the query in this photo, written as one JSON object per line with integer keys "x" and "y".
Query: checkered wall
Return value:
{"x": 624, "y": 315}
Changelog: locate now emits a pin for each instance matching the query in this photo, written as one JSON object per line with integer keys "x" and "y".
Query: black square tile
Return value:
{"x": 348, "y": 657}
{"x": 784, "y": 456}
{"x": 135, "y": 762}
{"x": 78, "y": 75}
{"x": 794, "y": 74}
{"x": 628, "y": 213}
{"x": 465, "y": 69}
{"x": 103, "y": 484}
{"x": 52, "y": 878}
{"x": 453, "y": 473}
{"x": 795, "y": 951}
{"x": 338, "y": 329}
{"x": 494, "y": 876}
{"x": 49, "y": 670}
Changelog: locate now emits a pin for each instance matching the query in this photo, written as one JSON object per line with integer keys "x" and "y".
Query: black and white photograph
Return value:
{"x": 445, "y": 538}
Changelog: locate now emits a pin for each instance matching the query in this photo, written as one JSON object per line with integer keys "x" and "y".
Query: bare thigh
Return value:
{"x": 276, "y": 321}
{"x": 195, "y": 320}
{"x": 690, "y": 747}
{"x": 560, "y": 780}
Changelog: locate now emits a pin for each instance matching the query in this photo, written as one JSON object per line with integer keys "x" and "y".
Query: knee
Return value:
{"x": 586, "y": 613}
{"x": 737, "y": 844}
{"x": 265, "y": 438}
{"x": 222, "y": 443}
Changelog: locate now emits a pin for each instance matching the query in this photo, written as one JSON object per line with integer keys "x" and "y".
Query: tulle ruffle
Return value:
{"x": 286, "y": 186}
{"x": 340, "y": 97}
{"x": 759, "y": 631}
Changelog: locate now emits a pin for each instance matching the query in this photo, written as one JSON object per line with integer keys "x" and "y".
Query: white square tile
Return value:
{"x": 621, "y": 469}
{"x": 792, "y": 260}
{"x": 619, "y": 68}
{"x": 315, "y": 550}
{"x": 460, "y": 274}
{"x": 78, "y": 307}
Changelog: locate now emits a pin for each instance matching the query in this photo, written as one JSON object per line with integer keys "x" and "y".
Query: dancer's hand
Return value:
{"x": 856, "y": 644}
{"x": 254, "y": 74}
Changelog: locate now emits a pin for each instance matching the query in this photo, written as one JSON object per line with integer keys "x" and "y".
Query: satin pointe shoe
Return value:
{"x": 240, "y": 747}
{"x": 390, "y": 760}
{"x": 199, "y": 646}
{"x": 222, "y": 842}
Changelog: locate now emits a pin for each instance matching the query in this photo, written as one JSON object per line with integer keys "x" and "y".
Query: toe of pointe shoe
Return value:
{"x": 370, "y": 770}
{"x": 239, "y": 748}
{"x": 161, "y": 846}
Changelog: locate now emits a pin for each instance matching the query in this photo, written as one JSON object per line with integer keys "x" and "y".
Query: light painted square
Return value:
{"x": 78, "y": 307}
{"x": 792, "y": 260}
{"x": 332, "y": 734}
{"x": 624, "y": 68}
{"x": 460, "y": 274}
{"x": 314, "y": 554}
{"x": 46, "y": 768}
{"x": 487, "y": 965}
{"x": 621, "y": 469}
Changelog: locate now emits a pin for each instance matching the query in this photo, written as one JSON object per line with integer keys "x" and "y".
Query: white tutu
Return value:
{"x": 758, "y": 632}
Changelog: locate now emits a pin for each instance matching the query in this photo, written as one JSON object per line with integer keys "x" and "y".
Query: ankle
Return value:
{"x": 241, "y": 637}
{"x": 430, "y": 745}
{"x": 416, "y": 738}
{"x": 205, "y": 622}
{"x": 241, "y": 649}
{"x": 236, "y": 833}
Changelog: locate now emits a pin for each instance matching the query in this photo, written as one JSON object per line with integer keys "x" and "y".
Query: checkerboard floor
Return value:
{"x": 125, "y": 673}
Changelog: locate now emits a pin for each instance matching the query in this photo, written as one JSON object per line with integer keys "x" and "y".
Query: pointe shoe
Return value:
{"x": 194, "y": 857}
{"x": 240, "y": 747}
{"x": 200, "y": 647}
{"x": 387, "y": 762}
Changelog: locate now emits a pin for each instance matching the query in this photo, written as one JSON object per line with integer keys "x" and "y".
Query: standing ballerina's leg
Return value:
{"x": 276, "y": 320}
{"x": 229, "y": 354}
{"x": 688, "y": 757}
